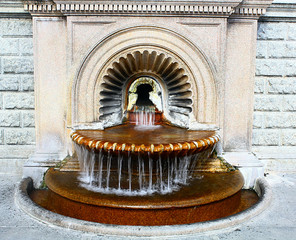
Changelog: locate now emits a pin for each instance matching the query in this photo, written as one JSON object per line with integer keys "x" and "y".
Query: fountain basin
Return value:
{"x": 152, "y": 139}
{"x": 210, "y": 197}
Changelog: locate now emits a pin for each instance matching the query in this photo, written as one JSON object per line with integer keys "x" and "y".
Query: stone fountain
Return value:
{"x": 148, "y": 104}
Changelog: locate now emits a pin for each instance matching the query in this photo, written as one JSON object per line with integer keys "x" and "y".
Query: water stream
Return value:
{"x": 136, "y": 174}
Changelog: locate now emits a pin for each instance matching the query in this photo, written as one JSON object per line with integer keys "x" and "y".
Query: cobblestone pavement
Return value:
{"x": 277, "y": 222}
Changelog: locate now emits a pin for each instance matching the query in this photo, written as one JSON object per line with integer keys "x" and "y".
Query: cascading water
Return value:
{"x": 137, "y": 174}
{"x": 145, "y": 116}
{"x": 135, "y": 161}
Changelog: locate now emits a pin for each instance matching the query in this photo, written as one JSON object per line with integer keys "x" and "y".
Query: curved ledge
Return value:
{"x": 108, "y": 140}
{"x": 27, "y": 205}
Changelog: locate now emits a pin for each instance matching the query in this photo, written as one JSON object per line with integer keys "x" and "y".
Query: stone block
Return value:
{"x": 19, "y": 101}
{"x": 19, "y": 136}
{"x": 16, "y": 27}
{"x": 1, "y": 101}
{"x": 9, "y": 83}
{"x": 261, "y": 51}
{"x": 281, "y": 85}
{"x": 270, "y": 67}
{"x": 289, "y": 103}
{"x": 275, "y": 67}
{"x": 18, "y": 65}
{"x": 292, "y": 31}
{"x": 259, "y": 85}
{"x": 272, "y": 30}
{"x": 27, "y": 83}
{"x": 257, "y": 120}
{"x": 289, "y": 137}
{"x": 1, "y": 137}
{"x": 282, "y": 49}
{"x": 264, "y": 137}
{"x": 267, "y": 103}
{"x": 280, "y": 120}
{"x": 9, "y": 118}
{"x": 28, "y": 119}
{"x": 290, "y": 69}
{"x": 26, "y": 46}
{"x": 9, "y": 46}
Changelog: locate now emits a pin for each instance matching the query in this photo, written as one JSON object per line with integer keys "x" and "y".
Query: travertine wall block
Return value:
{"x": 17, "y": 65}
{"x": 1, "y": 100}
{"x": 19, "y": 136}
{"x": 291, "y": 31}
{"x": 19, "y": 101}
{"x": 17, "y": 131}
{"x": 9, "y": 83}
{"x": 16, "y": 27}
{"x": 27, "y": 83}
{"x": 274, "y": 122}
{"x": 264, "y": 137}
{"x": 9, "y": 118}
{"x": 1, "y": 137}
{"x": 272, "y": 31}
{"x": 289, "y": 137}
{"x": 281, "y": 85}
{"x": 28, "y": 119}
{"x": 9, "y": 46}
{"x": 267, "y": 103}
{"x": 26, "y": 46}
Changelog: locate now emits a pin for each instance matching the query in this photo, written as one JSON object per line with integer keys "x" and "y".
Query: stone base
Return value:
{"x": 213, "y": 196}
{"x": 248, "y": 164}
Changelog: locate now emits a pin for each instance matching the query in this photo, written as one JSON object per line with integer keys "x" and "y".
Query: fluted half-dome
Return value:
{"x": 136, "y": 64}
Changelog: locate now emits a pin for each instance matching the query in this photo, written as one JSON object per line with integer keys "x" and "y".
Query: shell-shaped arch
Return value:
{"x": 171, "y": 75}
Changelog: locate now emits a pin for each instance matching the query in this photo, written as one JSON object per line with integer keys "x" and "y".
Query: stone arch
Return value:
{"x": 176, "y": 52}
{"x": 173, "y": 78}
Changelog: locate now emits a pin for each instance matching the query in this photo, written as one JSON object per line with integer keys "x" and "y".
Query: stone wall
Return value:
{"x": 274, "y": 133}
{"x": 17, "y": 133}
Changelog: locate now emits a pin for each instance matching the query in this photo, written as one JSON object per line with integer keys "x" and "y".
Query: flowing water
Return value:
{"x": 145, "y": 116}
{"x": 139, "y": 173}
{"x": 136, "y": 174}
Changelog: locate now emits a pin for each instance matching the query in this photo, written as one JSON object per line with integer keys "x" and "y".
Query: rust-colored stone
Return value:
{"x": 158, "y": 139}
{"x": 211, "y": 197}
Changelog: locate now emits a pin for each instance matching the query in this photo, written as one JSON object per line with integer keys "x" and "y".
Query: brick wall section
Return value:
{"x": 16, "y": 84}
{"x": 275, "y": 85}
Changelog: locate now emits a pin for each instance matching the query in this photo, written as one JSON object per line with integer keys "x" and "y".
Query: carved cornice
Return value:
{"x": 251, "y": 9}
{"x": 214, "y": 8}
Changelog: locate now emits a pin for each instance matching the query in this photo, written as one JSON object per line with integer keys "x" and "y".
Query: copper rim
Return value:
{"x": 193, "y": 145}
